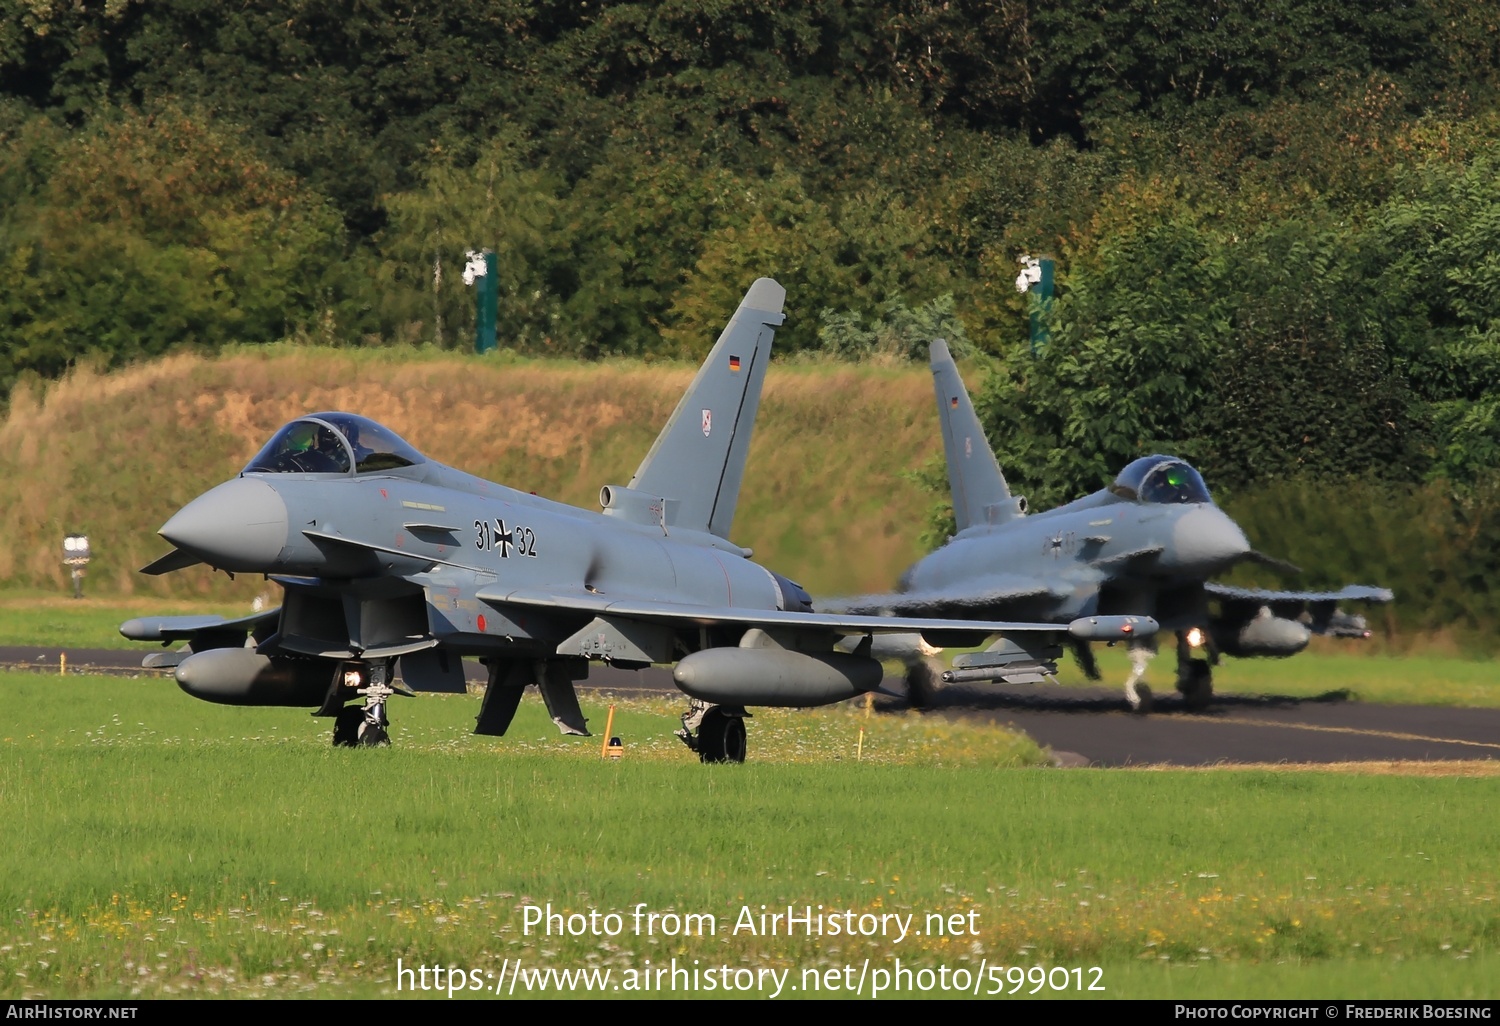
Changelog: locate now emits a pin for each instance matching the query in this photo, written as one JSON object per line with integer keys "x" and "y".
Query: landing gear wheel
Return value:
{"x": 922, "y": 683}
{"x": 372, "y": 735}
{"x": 346, "y": 726}
{"x": 1196, "y": 684}
{"x": 721, "y": 737}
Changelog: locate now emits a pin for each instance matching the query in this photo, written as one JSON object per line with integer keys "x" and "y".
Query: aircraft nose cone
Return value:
{"x": 239, "y": 526}
{"x": 1205, "y": 541}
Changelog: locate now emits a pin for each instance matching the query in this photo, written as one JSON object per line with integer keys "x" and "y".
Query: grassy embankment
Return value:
{"x": 824, "y": 499}
{"x": 156, "y": 846}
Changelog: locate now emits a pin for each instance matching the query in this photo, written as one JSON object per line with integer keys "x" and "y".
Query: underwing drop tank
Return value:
{"x": 239, "y": 676}
{"x": 1263, "y": 635}
{"x": 775, "y": 677}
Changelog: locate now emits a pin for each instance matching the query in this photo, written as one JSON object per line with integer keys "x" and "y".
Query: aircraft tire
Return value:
{"x": 346, "y": 726}
{"x": 371, "y": 736}
{"x": 721, "y": 737}
{"x": 922, "y": 679}
{"x": 735, "y": 742}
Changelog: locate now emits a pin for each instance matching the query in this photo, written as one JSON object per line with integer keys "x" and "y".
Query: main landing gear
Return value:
{"x": 715, "y": 732}
{"x": 1136, "y": 691}
{"x": 1195, "y": 677}
{"x": 368, "y": 725}
{"x": 922, "y": 677}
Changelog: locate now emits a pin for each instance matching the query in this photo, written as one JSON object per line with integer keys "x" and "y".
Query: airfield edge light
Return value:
{"x": 76, "y": 555}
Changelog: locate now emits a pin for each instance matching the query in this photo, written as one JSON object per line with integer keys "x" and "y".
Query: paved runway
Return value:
{"x": 1093, "y": 726}
{"x": 1096, "y": 726}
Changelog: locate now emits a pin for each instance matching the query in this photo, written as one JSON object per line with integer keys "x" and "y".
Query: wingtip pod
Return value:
{"x": 141, "y": 630}
{"x": 1112, "y": 628}
{"x": 166, "y": 628}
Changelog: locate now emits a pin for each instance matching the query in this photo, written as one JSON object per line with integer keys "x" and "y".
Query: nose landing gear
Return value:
{"x": 368, "y": 725}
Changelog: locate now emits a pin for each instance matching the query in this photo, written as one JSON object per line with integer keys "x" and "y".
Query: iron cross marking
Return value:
{"x": 505, "y": 539}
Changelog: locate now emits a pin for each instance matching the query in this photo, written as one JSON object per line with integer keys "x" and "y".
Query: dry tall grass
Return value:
{"x": 114, "y": 455}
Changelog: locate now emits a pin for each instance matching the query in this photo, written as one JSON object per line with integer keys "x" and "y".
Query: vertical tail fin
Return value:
{"x": 698, "y": 460}
{"x": 980, "y": 495}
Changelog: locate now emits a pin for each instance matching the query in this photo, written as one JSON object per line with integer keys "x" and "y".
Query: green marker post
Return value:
{"x": 1041, "y": 305}
{"x": 487, "y": 304}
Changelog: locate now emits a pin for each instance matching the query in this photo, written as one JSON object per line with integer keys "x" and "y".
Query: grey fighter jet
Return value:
{"x": 1146, "y": 545}
{"x": 394, "y": 565}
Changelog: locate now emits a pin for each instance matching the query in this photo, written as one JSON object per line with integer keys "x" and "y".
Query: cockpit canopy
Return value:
{"x": 1160, "y": 479}
{"x": 333, "y": 443}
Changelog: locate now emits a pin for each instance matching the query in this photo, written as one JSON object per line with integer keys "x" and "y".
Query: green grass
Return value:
{"x": 156, "y": 845}
{"x": 32, "y": 617}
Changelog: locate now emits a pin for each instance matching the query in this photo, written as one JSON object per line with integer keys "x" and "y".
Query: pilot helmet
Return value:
{"x": 301, "y": 437}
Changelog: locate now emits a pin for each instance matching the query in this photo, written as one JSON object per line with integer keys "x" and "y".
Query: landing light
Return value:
{"x": 1195, "y": 638}
{"x": 351, "y": 679}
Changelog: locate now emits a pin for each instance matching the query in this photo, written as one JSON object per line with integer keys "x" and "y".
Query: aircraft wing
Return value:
{"x": 942, "y": 632}
{"x": 188, "y": 628}
{"x": 976, "y": 593}
{"x": 1319, "y": 609}
{"x": 200, "y": 632}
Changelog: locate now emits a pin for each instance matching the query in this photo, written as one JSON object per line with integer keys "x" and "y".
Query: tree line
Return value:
{"x": 1275, "y": 223}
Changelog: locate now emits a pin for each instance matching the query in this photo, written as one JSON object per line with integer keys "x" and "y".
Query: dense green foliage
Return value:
{"x": 1328, "y": 344}
{"x": 1275, "y": 222}
{"x": 633, "y": 163}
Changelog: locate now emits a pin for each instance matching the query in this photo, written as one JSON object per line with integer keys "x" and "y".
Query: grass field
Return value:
{"x": 33, "y": 617}
{"x": 156, "y": 845}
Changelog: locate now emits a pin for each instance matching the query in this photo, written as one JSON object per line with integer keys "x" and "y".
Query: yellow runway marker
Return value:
{"x": 1391, "y": 734}
{"x": 1383, "y": 768}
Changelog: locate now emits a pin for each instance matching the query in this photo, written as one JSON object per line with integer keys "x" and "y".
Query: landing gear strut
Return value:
{"x": 715, "y": 732}
{"x": 366, "y": 726}
{"x": 922, "y": 678}
{"x": 1195, "y": 677}
{"x": 1136, "y": 692}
